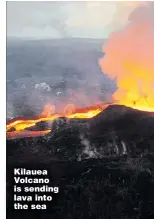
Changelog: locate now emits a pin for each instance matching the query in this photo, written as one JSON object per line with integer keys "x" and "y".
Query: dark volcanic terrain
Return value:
{"x": 104, "y": 166}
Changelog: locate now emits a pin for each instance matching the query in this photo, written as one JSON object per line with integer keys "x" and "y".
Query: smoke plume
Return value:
{"x": 128, "y": 58}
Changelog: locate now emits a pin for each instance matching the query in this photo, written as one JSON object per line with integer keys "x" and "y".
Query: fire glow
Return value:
{"x": 69, "y": 112}
{"x": 128, "y": 58}
{"x": 20, "y": 125}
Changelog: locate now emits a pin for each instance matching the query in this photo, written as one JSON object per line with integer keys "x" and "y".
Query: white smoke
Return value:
{"x": 42, "y": 86}
{"x": 88, "y": 151}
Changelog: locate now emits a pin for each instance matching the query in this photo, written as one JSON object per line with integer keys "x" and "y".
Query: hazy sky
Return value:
{"x": 66, "y": 19}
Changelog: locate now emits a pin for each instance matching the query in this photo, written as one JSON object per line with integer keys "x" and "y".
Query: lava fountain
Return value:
{"x": 128, "y": 58}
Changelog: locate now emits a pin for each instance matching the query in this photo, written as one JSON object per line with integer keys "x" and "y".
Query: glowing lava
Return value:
{"x": 25, "y": 133}
{"x": 20, "y": 124}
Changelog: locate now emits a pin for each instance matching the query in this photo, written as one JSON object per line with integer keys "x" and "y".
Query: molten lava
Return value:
{"x": 20, "y": 124}
{"x": 25, "y": 133}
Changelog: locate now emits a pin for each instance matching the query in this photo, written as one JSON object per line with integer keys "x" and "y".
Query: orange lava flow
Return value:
{"x": 141, "y": 103}
{"x": 25, "y": 133}
{"x": 19, "y": 125}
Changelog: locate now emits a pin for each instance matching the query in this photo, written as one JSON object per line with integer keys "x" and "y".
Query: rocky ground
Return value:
{"x": 103, "y": 166}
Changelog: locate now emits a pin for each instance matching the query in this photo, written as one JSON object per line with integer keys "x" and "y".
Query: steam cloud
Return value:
{"x": 129, "y": 55}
